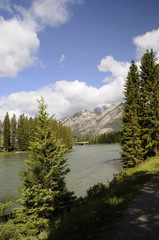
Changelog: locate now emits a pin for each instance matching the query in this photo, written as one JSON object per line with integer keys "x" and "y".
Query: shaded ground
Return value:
{"x": 141, "y": 221}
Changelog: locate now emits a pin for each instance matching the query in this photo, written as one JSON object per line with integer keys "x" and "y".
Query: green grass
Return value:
{"x": 98, "y": 211}
{"x": 4, "y": 153}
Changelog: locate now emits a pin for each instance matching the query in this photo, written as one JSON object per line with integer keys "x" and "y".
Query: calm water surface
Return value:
{"x": 88, "y": 164}
{"x": 92, "y": 164}
{"x": 10, "y": 165}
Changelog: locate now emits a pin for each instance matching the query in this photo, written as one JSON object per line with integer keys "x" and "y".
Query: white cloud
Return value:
{"x": 147, "y": 41}
{"x": 63, "y": 98}
{"x": 18, "y": 46}
{"x": 44, "y": 13}
{"x": 50, "y": 12}
{"x": 19, "y": 42}
{"x": 117, "y": 69}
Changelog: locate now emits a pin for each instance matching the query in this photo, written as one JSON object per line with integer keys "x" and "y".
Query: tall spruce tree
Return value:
{"x": 149, "y": 103}
{"x": 44, "y": 193}
{"x": 23, "y": 133}
{"x": 6, "y": 133}
{"x": 31, "y": 129}
{"x": 13, "y": 130}
{"x": 131, "y": 143}
{"x": 1, "y": 134}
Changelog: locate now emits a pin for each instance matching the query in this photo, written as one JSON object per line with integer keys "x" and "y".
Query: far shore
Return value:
{"x": 3, "y": 153}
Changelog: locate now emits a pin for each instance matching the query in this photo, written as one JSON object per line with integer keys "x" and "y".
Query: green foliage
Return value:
{"x": 44, "y": 193}
{"x": 6, "y": 133}
{"x": 23, "y": 133}
{"x": 63, "y": 133}
{"x": 149, "y": 103}
{"x": 110, "y": 137}
{"x": 13, "y": 130}
{"x": 17, "y": 135}
{"x": 131, "y": 132}
{"x": 140, "y": 134}
{"x": 1, "y": 134}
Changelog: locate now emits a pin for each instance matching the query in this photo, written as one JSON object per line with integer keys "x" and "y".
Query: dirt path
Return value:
{"x": 141, "y": 221}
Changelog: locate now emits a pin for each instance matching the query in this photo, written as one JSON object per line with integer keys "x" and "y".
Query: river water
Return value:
{"x": 89, "y": 165}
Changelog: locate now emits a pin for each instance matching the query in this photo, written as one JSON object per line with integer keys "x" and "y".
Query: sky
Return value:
{"x": 74, "y": 53}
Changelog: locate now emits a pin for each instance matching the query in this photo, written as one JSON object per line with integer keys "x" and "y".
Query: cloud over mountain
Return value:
{"x": 63, "y": 98}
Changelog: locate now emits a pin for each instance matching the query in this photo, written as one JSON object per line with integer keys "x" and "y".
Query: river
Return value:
{"x": 89, "y": 165}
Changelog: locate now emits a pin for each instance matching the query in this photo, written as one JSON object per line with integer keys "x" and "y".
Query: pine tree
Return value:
{"x": 44, "y": 193}
{"x": 6, "y": 132}
{"x": 23, "y": 133}
{"x": 67, "y": 137}
{"x": 31, "y": 128}
{"x": 131, "y": 143}
{"x": 1, "y": 134}
{"x": 149, "y": 103}
{"x": 13, "y": 129}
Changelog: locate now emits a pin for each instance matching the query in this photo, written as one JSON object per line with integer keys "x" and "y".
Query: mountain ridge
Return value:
{"x": 95, "y": 122}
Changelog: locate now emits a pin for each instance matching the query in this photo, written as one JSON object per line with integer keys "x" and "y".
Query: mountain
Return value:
{"x": 97, "y": 121}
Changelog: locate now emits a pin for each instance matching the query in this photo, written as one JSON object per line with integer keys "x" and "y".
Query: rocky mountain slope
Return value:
{"x": 97, "y": 121}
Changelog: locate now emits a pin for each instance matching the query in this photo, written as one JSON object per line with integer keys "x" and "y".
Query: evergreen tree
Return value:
{"x": 131, "y": 143}
{"x": 149, "y": 103}
{"x": 13, "y": 129}
{"x": 27, "y": 133}
{"x": 44, "y": 193}
{"x": 31, "y": 128}
{"x": 1, "y": 134}
{"x": 6, "y": 133}
{"x": 23, "y": 133}
{"x": 110, "y": 137}
{"x": 67, "y": 137}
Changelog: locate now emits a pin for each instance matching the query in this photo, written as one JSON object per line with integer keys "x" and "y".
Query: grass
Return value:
{"x": 102, "y": 205}
{"x": 4, "y": 153}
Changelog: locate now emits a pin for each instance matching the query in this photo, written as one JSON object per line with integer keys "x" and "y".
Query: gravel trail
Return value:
{"x": 141, "y": 220}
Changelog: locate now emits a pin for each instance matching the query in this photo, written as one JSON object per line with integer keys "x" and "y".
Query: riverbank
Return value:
{"x": 4, "y": 153}
{"x": 104, "y": 205}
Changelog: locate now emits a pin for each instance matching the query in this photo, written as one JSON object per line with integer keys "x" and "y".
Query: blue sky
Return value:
{"x": 76, "y": 53}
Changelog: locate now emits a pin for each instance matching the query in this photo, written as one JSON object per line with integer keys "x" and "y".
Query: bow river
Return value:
{"x": 89, "y": 165}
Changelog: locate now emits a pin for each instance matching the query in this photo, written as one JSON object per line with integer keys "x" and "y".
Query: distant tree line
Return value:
{"x": 140, "y": 133}
{"x": 17, "y": 134}
{"x": 109, "y": 137}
